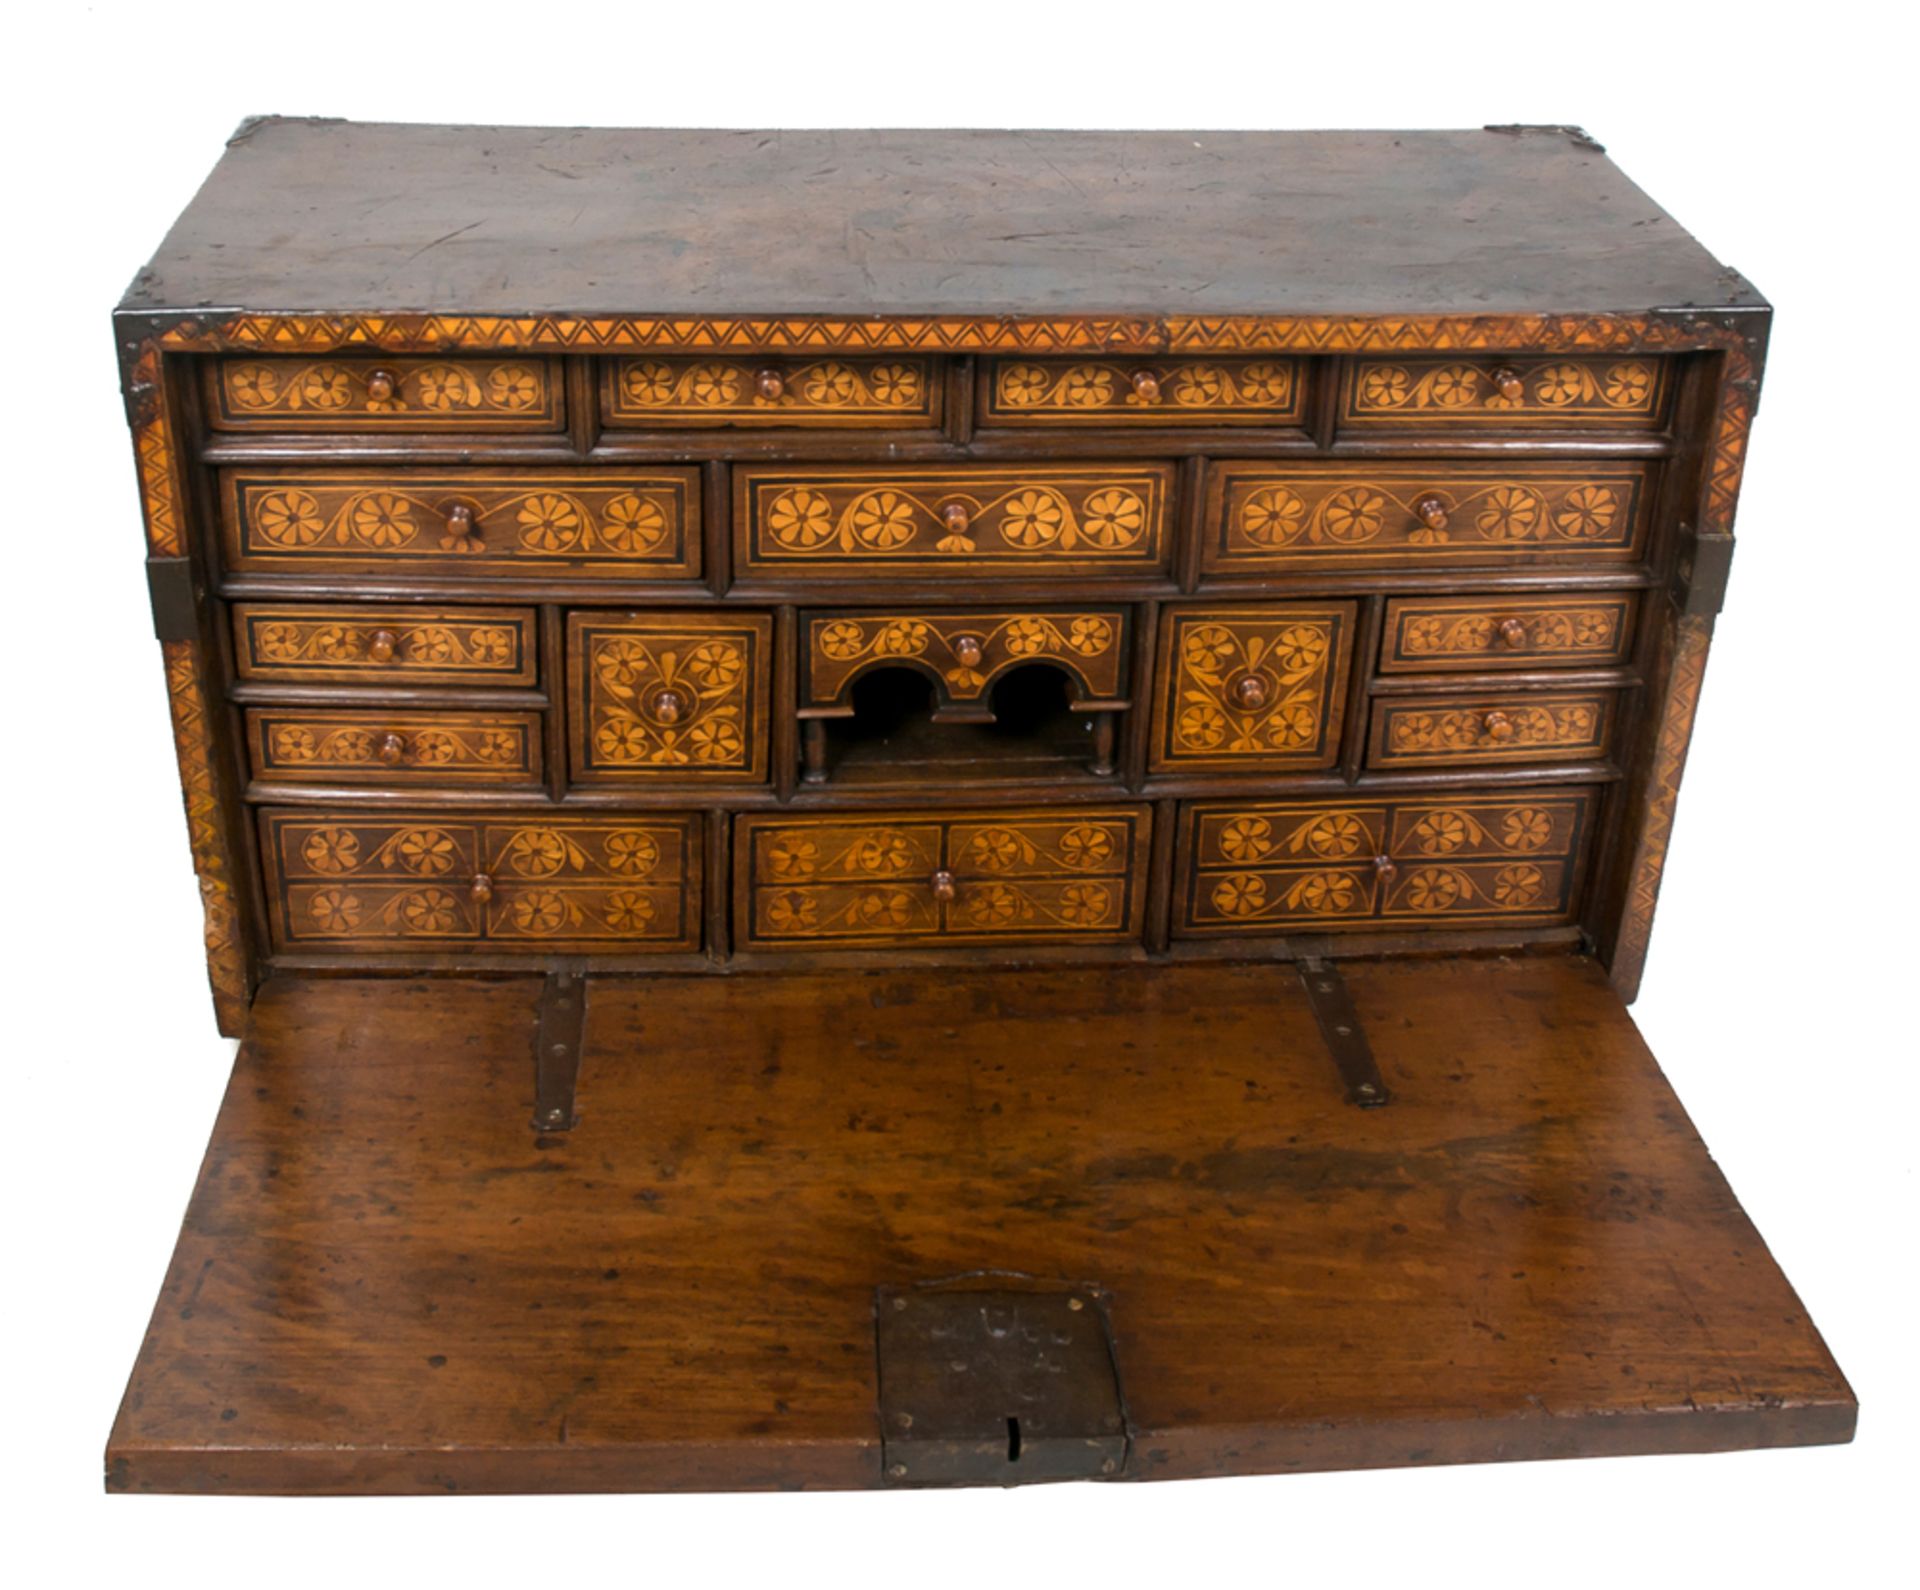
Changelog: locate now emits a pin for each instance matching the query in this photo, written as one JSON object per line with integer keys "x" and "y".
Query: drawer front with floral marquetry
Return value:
{"x": 382, "y": 394}
{"x": 1473, "y": 634}
{"x": 899, "y": 878}
{"x": 965, "y": 650}
{"x": 1037, "y": 519}
{"x": 1267, "y": 867}
{"x": 539, "y": 884}
{"x": 692, "y": 394}
{"x": 315, "y": 745}
{"x": 371, "y": 645}
{"x": 1252, "y": 689}
{"x": 1495, "y": 394}
{"x": 635, "y": 524}
{"x": 665, "y": 696}
{"x": 1481, "y": 729}
{"x": 1143, "y": 392}
{"x": 1262, "y": 517}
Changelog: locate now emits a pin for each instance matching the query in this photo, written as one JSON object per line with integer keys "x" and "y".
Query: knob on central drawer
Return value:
{"x": 1385, "y": 868}
{"x": 944, "y": 885}
{"x": 381, "y": 385}
{"x": 956, "y": 516}
{"x": 1248, "y": 691}
{"x": 462, "y": 521}
{"x": 1513, "y": 633}
{"x": 968, "y": 651}
{"x": 770, "y": 384}
{"x": 1146, "y": 386}
{"x": 391, "y": 748}
{"x": 669, "y": 706}
{"x": 482, "y": 888}
{"x": 1431, "y": 512}
{"x": 1498, "y": 726}
{"x": 1506, "y": 381}
{"x": 382, "y": 644}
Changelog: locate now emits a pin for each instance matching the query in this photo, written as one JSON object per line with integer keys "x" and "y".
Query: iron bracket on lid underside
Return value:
{"x": 1340, "y": 1027}
{"x": 560, "y": 1021}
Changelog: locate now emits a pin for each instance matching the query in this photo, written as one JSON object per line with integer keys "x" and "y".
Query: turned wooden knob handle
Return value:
{"x": 1432, "y": 512}
{"x": 482, "y": 888}
{"x": 1498, "y": 726}
{"x": 669, "y": 706}
{"x": 462, "y": 521}
{"x": 391, "y": 748}
{"x": 381, "y": 385}
{"x": 1146, "y": 386}
{"x": 944, "y": 885}
{"x": 770, "y": 384}
{"x": 1385, "y": 868}
{"x": 1506, "y": 381}
{"x": 1513, "y": 633}
{"x": 956, "y": 516}
{"x": 1248, "y": 691}
{"x": 968, "y": 651}
{"x": 382, "y": 644}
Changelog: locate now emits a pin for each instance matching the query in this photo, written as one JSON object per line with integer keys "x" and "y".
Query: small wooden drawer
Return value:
{"x": 337, "y": 644}
{"x": 1486, "y": 633}
{"x": 382, "y": 394}
{"x": 1266, "y": 867}
{"x": 810, "y": 394}
{"x": 1251, "y": 688}
{"x": 1091, "y": 392}
{"x": 1613, "y": 392}
{"x": 1476, "y": 730}
{"x": 1067, "y": 875}
{"x": 551, "y": 523}
{"x": 1282, "y": 515}
{"x": 963, "y": 650}
{"x": 313, "y": 745}
{"x": 823, "y": 524}
{"x": 665, "y": 696}
{"x": 438, "y": 881}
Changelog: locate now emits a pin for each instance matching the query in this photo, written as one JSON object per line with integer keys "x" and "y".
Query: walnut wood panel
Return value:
{"x": 870, "y": 394}
{"x": 1035, "y": 520}
{"x": 1482, "y": 633}
{"x": 334, "y": 643}
{"x": 665, "y": 696}
{"x": 1495, "y": 394}
{"x": 1259, "y": 867}
{"x": 1440, "y": 514}
{"x": 381, "y": 746}
{"x": 385, "y": 394}
{"x": 965, "y": 650}
{"x": 438, "y": 881}
{"x": 1490, "y": 727}
{"x": 894, "y": 878}
{"x": 1143, "y": 392}
{"x": 641, "y": 524}
{"x": 1251, "y": 688}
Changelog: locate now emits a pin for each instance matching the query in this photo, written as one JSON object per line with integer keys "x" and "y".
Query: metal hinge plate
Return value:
{"x": 1340, "y": 1027}
{"x": 1700, "y": 578}
{"x": 170, "y": 589}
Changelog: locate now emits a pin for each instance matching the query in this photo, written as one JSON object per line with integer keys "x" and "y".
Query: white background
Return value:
{"x": 1778, "y": 994}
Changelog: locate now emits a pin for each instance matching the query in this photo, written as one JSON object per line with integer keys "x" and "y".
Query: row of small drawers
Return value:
{"x": 527, "y": 394}
{"x": 355, "y": 881}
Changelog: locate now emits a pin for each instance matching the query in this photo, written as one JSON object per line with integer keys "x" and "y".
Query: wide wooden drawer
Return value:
{"x": 434, "y": 881}
{"x": 370, "y": 645}
{"x": 1095, "y": 392}
{"x": 1028, "y": 520}
{"x": 811, "y": 394}
{"x": 383, "y": 394}
{"x": 1490, "y": 727}
{"x": 632, "y": 523}
{"x": 1496, "y": 394}
{"x": 1264, "y": 867}
{"x": 320, "y": 745}
{"x": 666, "y": 696}
{"x": 1252, "y": 688}
{"x": 1486, "y": 633}
{"x": 1069, "y": 875}
{"x": 1265, "y": 516}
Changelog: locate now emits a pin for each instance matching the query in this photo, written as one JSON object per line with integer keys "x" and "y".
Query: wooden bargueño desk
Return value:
{"x": 911, "y": 808}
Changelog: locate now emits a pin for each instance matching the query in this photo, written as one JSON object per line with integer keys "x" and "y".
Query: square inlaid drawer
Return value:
{"x": 1027, "y": 520}
{"x": 542, "y": 523}
{"x": 385, "y": 394}
{"x": 317, "y": 745}
{"x": 1279, "y": 515}
{"x": 1158, "y": 391}
{"x": 1251, "y": 688}
{"x": 1268, "y": 867}
{"x": 332, "y": 643}
{"x": 443, "y": 881}
{"x": 1489, "y": 728}
{"x": 1067, "y": 875}
{"x": 1616, "y": 391}
{"x": 669, "y": 696}
{"x": 1475, "y": 634}
{"x": 811, "y": 394}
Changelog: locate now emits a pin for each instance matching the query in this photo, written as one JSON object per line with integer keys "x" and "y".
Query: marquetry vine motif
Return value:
{"x": 1556, "y": 632}
{"x": 385, "y": 394}
{"x": 666, "y": 695}
{"x": 966, "y": 650}
{"x": 443, "y": 646}
{"x": 693, "y": 392}
{"x": 1551, "y": 391}
{"x": 289, "y": 743}
{"x": 1252, "y": 687}
{"x": 1209, "y": 392}
{"x": 1510, "y": 728}
{"x": 1090, "y": 518}
{"x": 212, "y": 861}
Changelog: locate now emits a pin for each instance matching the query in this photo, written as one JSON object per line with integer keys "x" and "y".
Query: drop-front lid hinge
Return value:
{"x": 1339, "y": 1025}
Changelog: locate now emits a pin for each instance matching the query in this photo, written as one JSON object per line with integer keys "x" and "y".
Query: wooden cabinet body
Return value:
{"x": 1228, "y": 579}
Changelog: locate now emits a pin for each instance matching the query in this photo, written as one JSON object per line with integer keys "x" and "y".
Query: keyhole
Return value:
{"x": 1013, "y": 1440}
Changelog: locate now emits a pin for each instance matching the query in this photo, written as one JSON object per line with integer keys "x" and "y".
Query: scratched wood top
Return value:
{"x": 385, "y": 1283}
{"x": 329, "y": 216}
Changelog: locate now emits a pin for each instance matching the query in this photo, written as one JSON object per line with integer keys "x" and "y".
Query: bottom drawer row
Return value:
{"x": 623, "y": 884}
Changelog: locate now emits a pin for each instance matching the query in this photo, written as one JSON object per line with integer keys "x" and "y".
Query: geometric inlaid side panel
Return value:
{"x": 1480, "y": 633}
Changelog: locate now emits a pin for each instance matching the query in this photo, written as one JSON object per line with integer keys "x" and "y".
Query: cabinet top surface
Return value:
{"x": 310, "y": 216}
